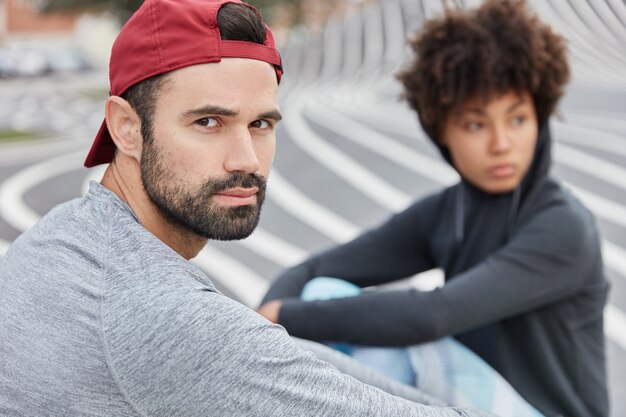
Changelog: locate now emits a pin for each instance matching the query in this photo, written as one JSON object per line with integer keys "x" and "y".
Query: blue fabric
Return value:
{"x": 445, "y": 369}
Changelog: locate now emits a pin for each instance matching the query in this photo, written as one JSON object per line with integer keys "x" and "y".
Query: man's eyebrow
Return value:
{"x": 222, "y": 111}
{"x": 209, "y": 109}
{"x": 272, "y": 114}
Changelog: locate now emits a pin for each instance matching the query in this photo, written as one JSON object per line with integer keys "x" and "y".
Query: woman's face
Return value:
{"x": 492, "y": 144}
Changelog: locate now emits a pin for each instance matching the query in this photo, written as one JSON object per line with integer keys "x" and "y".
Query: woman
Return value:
{"x": 525, "y": 287}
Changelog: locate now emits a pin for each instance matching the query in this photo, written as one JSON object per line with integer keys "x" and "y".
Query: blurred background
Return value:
{"x": 350, "y": 152}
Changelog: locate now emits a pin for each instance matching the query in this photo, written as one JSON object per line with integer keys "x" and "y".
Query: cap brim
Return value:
{"x": 103, "y": 148}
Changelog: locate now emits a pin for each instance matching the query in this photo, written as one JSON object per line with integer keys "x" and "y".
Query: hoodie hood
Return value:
{"x": 485, "y": 222}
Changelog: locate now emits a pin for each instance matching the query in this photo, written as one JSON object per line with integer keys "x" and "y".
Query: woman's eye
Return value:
{"x": 207, "y": 122}
{"x": 516, "y": 121}
{"x": 260, "y": 124}
{"x": 473, "y": 126}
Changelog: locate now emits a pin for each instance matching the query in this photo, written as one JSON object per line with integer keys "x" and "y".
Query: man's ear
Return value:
{"x": 124, "y": 126}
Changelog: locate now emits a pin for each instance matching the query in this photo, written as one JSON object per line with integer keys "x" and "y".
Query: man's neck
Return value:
{"x": 124, "y": 179}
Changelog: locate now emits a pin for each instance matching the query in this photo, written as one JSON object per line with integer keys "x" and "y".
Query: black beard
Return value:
{"x": 194, "y": 209}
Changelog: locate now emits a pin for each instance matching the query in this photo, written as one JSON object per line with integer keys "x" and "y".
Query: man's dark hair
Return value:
{"x": 480, "y": 53}
{"x": 236, "y": 21}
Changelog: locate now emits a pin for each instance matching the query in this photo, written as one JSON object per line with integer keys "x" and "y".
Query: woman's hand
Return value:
{"x": 271, "y": 310}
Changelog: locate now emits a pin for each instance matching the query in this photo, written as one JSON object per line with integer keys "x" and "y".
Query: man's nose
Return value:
{"x": 241, "y": 155}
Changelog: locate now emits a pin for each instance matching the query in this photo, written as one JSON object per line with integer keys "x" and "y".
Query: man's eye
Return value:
{"x": 261, "y": 124}
{"x": 207, "y": 122}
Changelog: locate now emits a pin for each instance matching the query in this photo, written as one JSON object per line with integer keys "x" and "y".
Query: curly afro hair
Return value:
{"x": 480, "y": 53}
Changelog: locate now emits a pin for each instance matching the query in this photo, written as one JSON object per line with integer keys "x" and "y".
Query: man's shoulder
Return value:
{"x": 69, "y": 238}
{"x": 174, "y": 340}
{"x": 137, "y": 259}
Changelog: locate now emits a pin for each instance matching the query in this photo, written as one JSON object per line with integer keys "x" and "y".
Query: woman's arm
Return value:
{"x": 395, "y": 250}
{"x": 548, "y": 260}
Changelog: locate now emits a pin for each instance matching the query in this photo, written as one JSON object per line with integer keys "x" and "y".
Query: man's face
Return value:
{"x": 492, "y": 144}
{"x": 211, "y": 147}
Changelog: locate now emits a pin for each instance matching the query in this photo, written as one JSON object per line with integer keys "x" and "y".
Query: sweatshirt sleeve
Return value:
{"x": 397, "y": 249}
{"x": 546, "y": 261}
{"x": 204, "y": 354}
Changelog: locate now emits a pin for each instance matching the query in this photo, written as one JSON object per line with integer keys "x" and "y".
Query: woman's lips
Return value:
{"x": 237, "y": 196}
{"x": 502, "y": 170}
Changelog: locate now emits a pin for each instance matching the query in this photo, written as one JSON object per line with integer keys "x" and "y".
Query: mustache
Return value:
{"x": 238, "y": 179}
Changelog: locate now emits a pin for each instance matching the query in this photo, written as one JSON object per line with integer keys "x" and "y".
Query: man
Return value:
{"x": 525, "y": 286}
{"x": 101, "y": 313}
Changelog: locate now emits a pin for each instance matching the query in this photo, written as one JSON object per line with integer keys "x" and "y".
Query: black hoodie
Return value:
{"x": 525, "y": 287}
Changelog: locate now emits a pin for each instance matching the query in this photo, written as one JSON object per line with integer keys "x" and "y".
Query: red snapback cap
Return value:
{"x": 164, "y": 35}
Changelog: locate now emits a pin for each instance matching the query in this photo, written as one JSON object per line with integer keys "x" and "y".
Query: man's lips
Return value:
{"x": 237, "y": 196}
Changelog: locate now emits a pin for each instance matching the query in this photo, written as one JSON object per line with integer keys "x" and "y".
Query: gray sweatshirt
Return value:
{"x": 100, "y": 318}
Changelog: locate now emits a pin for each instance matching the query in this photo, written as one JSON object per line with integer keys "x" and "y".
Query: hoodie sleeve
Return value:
{"x": 546, "y": 261}
{"x": 395, "y": 250}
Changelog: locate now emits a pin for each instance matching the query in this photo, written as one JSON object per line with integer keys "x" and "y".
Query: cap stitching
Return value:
{"x": 213, "y": 26}
{"x": 213, "y": 16}
{"x": 156, "y": 37}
